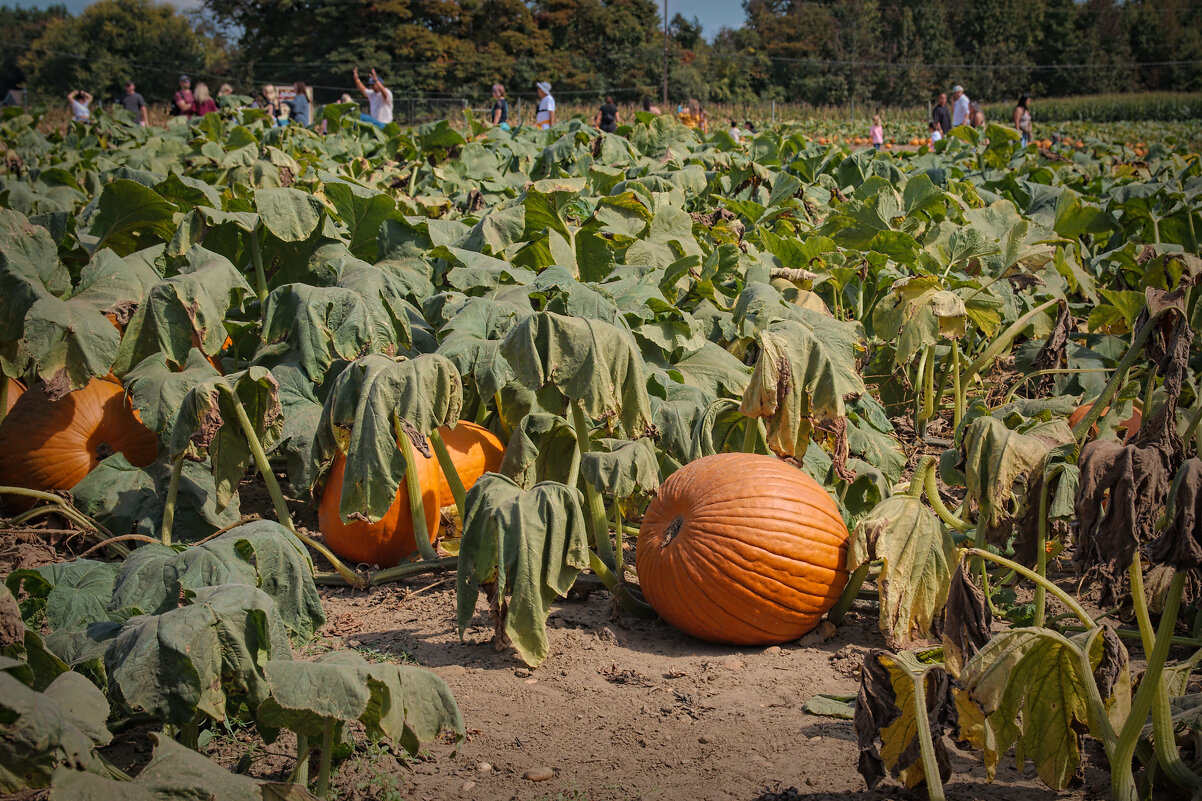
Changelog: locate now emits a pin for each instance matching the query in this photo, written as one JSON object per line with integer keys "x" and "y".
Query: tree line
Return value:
{"x": 821, "y": 52}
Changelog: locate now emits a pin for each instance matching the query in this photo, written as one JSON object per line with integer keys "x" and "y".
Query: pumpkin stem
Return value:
{"x": 672, "y": 530}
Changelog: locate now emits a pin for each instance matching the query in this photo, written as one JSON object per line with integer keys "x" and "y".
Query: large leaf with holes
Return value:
{"x": 525, "y": 548}
{"x": 374, "y": 402}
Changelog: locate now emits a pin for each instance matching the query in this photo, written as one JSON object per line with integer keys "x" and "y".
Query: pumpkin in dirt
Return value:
{"x": 15, "y": 388}
{"x": 52, "y": 444}
{"x": 1130, "y": 425}
{"x": 742, "y": 549}
{"x": 390, "y": 539}
{"x": 474, "y": 450}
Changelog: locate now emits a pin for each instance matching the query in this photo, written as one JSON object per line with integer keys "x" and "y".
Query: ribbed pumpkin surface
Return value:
{"x": 390, "y": 539}
{"x": 51, "y": 445}
{"x": 742, "y": 549}
{"x": 475, "y": 451}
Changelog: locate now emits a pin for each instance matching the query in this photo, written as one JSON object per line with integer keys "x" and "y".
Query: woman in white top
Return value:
{"x": 78, "y": 102}
{"x": 545, "y": 117}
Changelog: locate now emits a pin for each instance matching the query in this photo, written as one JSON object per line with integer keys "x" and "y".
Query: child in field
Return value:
{"x": 934, "y": 133}
{"x": 877, "y": 132}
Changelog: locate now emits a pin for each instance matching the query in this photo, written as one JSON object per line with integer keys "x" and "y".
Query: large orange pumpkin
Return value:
{"x": 390, "y": 539}
{"x": 1130, "y": 425}
{"x": 475, "y": 451}
{"x": 742, "y": 549}
{"x": 52, "y": 444}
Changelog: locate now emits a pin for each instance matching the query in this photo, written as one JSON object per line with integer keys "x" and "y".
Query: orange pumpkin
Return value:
{"x": 390, "y": 539}
{"x": 15, "y": 388}
{"x": 475, "y": 451}
{"x": 1130, "y": 425}
{"x": 742, "y": 549}
{"x": 52, "y": 444}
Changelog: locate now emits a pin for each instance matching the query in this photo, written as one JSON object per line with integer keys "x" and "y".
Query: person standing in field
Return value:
{"x": 500, "y": 107}
{"x": 608, "y": 117}
{"x": 271, "y": 101}
{"x": 976, "y": 116}
{"x": 649, "y": 107}
{"x": 940, "y": 115}
{"x": 184, "y": 104}
{"x": 545, "y": 115}
{"x": 202, "y": 103}
{"x": 78, "y": 103}
{"x": 224, "y": 90}
{"x": 133, "y": 102}
{"x": 934, "y": 133}
{"x": 379, "y": 99}
{"x": 1022, "y": 119}
{"x": 300, "y": 105}
{"x": 877, "y": 132}
{"x": 734, "y": 131}
{"x": 960, "y": 104}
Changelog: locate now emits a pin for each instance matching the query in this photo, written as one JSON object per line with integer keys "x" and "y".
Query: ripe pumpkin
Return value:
{"x": 1130, "y": 425}
{"x": 390, "y": 539}
{"x": 15, "y": 388}
{"x": 52, "y": 444}
{"x": 475, "y": 451}
{"x": 742, "y": 549}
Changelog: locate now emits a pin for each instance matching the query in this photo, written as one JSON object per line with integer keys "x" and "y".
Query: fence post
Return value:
{"x": 774, "y": 112}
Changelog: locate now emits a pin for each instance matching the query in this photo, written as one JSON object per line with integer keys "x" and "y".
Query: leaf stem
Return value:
{"x": 1027, "y": 573}
{"x": 594, "y": 506}
{"x": 448, "y": 470}
{"x": 1122, "y": 782}
{"x": 1051, "y": 371}
{"x": 926, "y": 470}
{"x": 848, "y": 596}
{"x": 957, "y": 390}
{"x": 301, "y": 774}
{"x": 417, "y": 506}
{"x": 617, "y": 587}
{"x": 1004, "y": 340}
{"x": 750, "y": 435}
{"x": 277, "y": 495}
{"x": 256, "y": 257}
{"x": 177, "y": 468}
{"x": 408, "y": 569}
{"x": 930, "y": 765}
{"x": 1041, "y": 554}
{"x": 327, "y": 758}
{"x": 1162, "y": 715}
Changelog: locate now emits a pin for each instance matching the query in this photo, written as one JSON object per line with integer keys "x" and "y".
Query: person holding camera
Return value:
{"x": 379, "y": 100}
{"x": 78, "y": 103}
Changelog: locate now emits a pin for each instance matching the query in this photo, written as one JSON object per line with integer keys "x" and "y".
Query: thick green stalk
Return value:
{"x": 1027, "y": 573}
{"x": 619, "y": 553}
{"x": 1004, "y": 340}
{"x": 750, "y": 435}
{"x": 927, "y": 411}
{"x": 277, "y": 495}
{"x": 848, "y": 596}
{"x": 1051, "y": 371}
{"x": 617, "y": 587}
{"x": 177, "y": 467}
{"x": 448, "y": 470}
{"x": 256, "y": 256}
{"x": 926, "y": 475}
{"x": 958, "y": 410}
{"x": 417, "y": 506}
{"x": 189, "y": 734}
{"x": 1041, "y": 554}
{"x": 1103, "y": 401}
{"x": 926, "y": 748}
{"x": 407, "y": 569}
{"x": 505, "y": 429}
{"x": 327, "y": 758}
{"x": 594, "y": 506}
{"x": 1162, "y": 715}
{"x": 301, "y": 774}
{"x": 1122, "y": 782}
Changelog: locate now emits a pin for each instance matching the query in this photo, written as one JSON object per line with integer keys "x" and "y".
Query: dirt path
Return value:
{"x": 629, "y": 709}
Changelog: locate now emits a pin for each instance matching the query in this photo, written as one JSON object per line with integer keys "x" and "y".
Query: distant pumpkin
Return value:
{"x": 1130, "y": 425}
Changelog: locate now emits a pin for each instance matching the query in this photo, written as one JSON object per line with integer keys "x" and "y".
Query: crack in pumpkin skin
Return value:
{"x": 747, "y": 568}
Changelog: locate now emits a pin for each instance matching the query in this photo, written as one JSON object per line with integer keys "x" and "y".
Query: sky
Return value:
{"x": 713, "y": 14}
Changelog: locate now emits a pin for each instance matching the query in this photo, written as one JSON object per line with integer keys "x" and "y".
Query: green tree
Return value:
{"x": 111, "y": 42}
{"x": 21, "y": 27}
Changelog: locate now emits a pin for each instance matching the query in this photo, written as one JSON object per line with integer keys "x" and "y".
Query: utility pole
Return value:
{"x": 665, "y": 53}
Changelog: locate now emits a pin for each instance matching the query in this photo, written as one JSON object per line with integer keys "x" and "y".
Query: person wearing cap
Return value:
{"x": 960, "y": 106}
{"x": 184, "y": 103}
{"x": 545, "y": 117}
{"x": 379, "y": 100}
{"x": 134, "y": 103}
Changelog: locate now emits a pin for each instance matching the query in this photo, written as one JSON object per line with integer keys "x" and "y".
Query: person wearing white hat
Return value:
{"x": 960, "y": 106}
{"x": 545, "y": 117}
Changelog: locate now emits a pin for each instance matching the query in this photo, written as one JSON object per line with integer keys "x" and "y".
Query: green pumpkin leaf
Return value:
{"x": 69, "y": 595}
{"x": 916, "y": 573}
{"x": 623, "y": 468}
{"x": 918, "y": 313}
{"x": 130, "y": 216}
{"x": 290, "y": 214}
{"x": 528, "y": 546}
